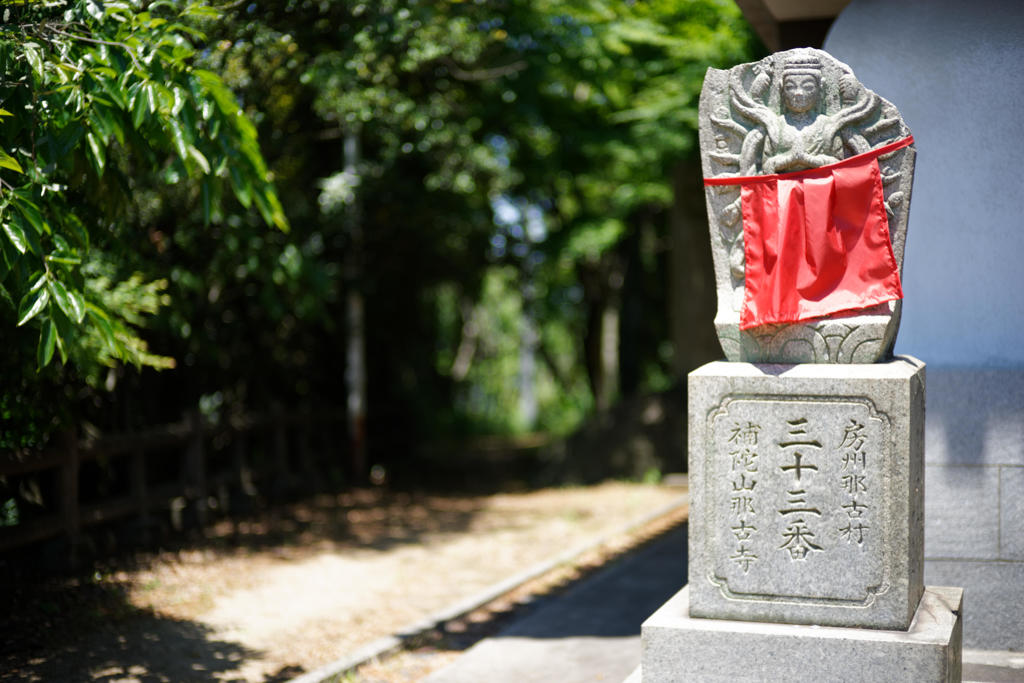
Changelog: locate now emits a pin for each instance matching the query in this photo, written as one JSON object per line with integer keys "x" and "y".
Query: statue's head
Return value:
{"x": 801, "y": 83}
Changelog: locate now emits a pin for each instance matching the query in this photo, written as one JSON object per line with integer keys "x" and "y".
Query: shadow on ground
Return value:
{"x": 144, "y": 648}
{"x": 82, "y": 627}
{"x": 617, "y": 599}
{"x": 133, "y": 646}
{"x": 75, "y": 629}
{"x": 79, "y": 627}
{"x": 590, "y": 632}
{"x": 607, "y": 600}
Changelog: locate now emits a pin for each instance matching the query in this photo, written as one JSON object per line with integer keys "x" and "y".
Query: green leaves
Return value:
{"x": 47, "y": 344}
{"x": 39, "y": 302}
{"x": 34, "y": 301}
{"x": 198, "y": 158}
{"x": 31, "y": 213}
{"x": 24, "y": 225}
{"x": 15, "y": 234}
{"x": 100, "y": 101}
{"x": 7, "y": 161}
{"x": 70, "y": 302}
{"x": 33, "y": 57}
{"x": 133, "y": 155}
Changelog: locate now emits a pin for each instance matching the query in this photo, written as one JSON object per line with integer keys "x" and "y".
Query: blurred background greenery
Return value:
{"x": 488, "y": 214}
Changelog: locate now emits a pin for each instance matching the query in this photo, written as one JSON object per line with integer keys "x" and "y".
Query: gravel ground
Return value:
{"x": 301, "y": 586}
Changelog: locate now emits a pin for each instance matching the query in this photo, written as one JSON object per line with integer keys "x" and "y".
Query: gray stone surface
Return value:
{"x": 993, "y": 619}
{"x": 1011, "y": 512}
{"x": 962, "y": 506}
{"x": 679, "y": 648}
{"x": 992, "y": 666}
{"x": 591, "y": 633}
{"x": 974, "y": 454}
{"x": 519, "y": 659}
{"x": 957, "y": 68}
{"x": 954, "y": 69}
{"x": 975, "y": 416}
{"x": 748, "y": 126}
{"x": 806, "y": 492}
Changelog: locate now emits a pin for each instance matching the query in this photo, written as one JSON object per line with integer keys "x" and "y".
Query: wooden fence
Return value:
{"x": 186, "y": 469}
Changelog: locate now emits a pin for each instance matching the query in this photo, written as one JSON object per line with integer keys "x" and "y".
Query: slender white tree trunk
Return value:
{"x": 355, "y": 352}
{"x": 528, "y": 339}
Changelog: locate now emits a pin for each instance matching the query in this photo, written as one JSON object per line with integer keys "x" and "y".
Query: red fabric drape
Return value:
{"x": 816, "y": 241}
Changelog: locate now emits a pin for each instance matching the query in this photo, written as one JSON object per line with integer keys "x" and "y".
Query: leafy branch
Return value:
{"x": 98, "y": 104}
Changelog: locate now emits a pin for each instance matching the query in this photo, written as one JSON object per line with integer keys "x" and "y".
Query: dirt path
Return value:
{"x": 268, "y": 599}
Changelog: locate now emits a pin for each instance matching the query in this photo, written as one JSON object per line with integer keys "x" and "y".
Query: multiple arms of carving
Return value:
{"x": 747, "y": 105}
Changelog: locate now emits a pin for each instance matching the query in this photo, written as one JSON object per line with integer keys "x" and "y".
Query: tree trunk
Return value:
{"x": 691, "y": 279}
{"x": 355, "y": 352}
{"x": 602, "y": 287}
{"x": 528, "y": 338}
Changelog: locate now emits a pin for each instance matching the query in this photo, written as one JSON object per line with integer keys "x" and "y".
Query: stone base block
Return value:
{"x": 807, "y": 493}
{"x": 676, "y": 647}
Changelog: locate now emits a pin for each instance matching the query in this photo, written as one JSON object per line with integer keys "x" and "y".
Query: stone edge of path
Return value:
{"x": 381, "y": 647}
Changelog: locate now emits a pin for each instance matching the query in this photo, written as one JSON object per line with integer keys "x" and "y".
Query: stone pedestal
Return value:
{"x": 807, "y": 498}
{"x": 678, "y": 647}
{"x": 806, "y": 532}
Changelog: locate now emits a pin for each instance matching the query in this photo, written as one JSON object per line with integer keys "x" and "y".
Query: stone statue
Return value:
{"x": 804, "y": 119}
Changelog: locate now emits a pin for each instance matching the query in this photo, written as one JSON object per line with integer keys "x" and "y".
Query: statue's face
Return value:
{"x": 800, "y": 92}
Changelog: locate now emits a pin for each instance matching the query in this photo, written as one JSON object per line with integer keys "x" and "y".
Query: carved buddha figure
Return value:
{"x": 802, "y": 135}
{"x": 807, "y": 255}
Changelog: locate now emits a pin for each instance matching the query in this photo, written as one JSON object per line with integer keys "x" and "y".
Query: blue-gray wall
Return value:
{"x": 955, "y": 70}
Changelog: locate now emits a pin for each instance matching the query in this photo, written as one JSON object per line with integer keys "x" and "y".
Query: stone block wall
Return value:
{"x": 974, "y": 498}
{"x": 954, "y": 71}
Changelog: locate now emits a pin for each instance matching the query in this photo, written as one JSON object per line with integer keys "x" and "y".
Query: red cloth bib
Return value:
{"x": 816, "y": 241}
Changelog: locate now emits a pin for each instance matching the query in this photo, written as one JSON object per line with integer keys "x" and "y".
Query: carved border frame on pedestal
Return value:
{"x": 871, "y": 592}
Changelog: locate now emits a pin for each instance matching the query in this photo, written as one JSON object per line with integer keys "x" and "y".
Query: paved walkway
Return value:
{"x": 592, "y": 632}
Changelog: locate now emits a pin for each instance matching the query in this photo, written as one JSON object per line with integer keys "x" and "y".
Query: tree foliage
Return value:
{"x": 510, "y": 204}
{"x": 102, "y": 102}
{"x": 601, "y": 117}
